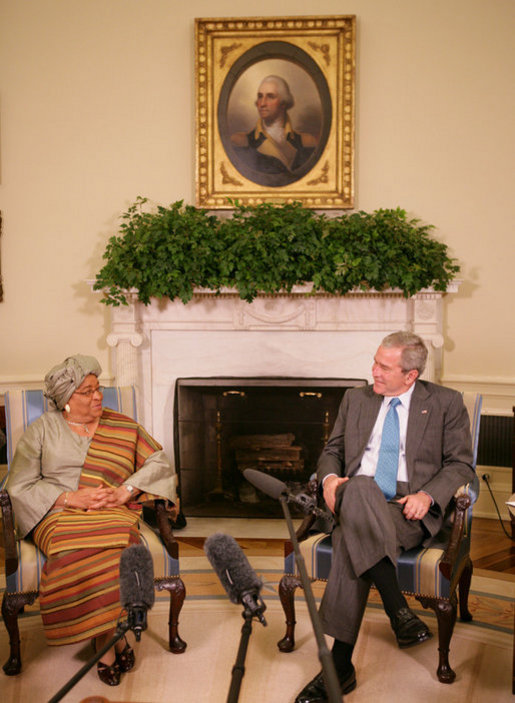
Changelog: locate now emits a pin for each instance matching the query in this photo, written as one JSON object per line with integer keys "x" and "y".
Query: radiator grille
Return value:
{"x": 495, "y": 441}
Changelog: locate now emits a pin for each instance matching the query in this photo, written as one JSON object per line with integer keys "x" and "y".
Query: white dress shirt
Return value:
{"x": 371, "y": 455}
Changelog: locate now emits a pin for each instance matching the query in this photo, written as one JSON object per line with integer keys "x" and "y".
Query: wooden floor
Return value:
{"x": 491, "y": 549}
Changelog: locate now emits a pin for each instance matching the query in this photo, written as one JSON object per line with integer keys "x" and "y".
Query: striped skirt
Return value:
{"x": 79, "y": 589}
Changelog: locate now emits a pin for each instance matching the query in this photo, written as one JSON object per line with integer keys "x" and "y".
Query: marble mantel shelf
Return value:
{"x": 301, "y": 309}
{"x": 298, "y": 334}
{"x": 305, "y": 290}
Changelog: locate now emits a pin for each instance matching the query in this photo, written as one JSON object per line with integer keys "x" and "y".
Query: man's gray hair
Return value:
{"x": 414, "y": 352}
{"x": 283, "y": 90}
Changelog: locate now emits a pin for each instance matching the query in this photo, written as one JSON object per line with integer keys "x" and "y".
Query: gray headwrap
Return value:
{"x": 62, "y": 381}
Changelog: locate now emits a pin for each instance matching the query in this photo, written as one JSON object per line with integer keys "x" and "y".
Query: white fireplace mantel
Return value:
{"x": 289, "y": 335}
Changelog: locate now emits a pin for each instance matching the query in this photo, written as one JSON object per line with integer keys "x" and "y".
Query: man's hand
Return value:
{"x": 416, "y": 505}
{"x": 331, "y": 483}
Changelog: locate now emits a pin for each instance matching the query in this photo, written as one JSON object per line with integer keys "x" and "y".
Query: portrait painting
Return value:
{"x": 274, "y": 115}
{"x": 275, "y": 111}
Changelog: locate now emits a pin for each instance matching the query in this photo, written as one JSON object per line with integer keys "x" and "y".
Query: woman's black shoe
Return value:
{"x": 109, "y": 674}
{"x": 126, "y": 658}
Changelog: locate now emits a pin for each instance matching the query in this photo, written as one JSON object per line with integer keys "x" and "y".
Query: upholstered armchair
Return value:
{"x": 23, "y": 560}
{"x": 434, "y": 575}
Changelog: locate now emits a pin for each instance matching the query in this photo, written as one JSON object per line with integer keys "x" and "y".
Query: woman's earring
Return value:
{"x": 67, "y": 408}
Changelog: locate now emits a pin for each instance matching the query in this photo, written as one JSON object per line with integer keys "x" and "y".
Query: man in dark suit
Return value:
{"x": 398, "y": 452}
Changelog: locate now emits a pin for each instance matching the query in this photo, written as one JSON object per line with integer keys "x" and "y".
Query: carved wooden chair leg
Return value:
{"x": 287, "y": 586}
{"x": 177, "y": 591}
{"x": 12, "y": 606}
{"x": 464, "y": 589}
{"x": 446, "y": 611}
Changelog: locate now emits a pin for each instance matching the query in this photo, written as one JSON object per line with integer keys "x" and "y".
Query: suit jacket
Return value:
{"x": 268, "y": 163}
{"x": 438, "y": 442}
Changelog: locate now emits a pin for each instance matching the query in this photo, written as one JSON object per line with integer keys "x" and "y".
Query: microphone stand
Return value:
{"x": 253, "y": 607}
{"x": 238, "y": 669}
{"x": 324, "y": 655}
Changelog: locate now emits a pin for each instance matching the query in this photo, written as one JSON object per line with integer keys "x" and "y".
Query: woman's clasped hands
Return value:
{"x": 97, "y": 498}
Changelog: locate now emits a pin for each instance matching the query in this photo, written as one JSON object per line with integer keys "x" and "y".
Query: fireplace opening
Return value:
{"x": 223, "y": 426}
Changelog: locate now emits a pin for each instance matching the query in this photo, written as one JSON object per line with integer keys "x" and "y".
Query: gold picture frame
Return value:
{"x": 312, "y": 160}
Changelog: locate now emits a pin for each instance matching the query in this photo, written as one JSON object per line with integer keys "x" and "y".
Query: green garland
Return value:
{"x": 268, "y": 249}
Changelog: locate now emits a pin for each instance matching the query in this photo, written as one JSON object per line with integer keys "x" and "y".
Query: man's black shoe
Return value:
{"x": 315, "y": 691}
{"x": 409, "y": 629}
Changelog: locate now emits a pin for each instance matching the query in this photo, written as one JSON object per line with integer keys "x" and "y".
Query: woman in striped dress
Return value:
{"x": 79, "y": 477}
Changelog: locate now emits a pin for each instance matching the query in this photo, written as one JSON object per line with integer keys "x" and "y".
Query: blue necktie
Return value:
{"x": 388, "y": 461}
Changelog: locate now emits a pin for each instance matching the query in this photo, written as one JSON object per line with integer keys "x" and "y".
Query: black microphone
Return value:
{"x": 275, "y": 488}
{"x": 235, "y": 573}
{"x": 266, "y": 483}
{"x": 136, "y": 586}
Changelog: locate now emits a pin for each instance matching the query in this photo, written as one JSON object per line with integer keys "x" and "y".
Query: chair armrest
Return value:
{"x": 11, "y": 552}
{"x": 303, "y": 530}
{"x": 452, "y": 550}
{"x": 165, "y": 529}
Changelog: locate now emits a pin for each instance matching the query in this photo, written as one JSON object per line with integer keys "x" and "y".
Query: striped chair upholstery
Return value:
{"x": 432, "y": 574}
{"x": 24, "y": 560}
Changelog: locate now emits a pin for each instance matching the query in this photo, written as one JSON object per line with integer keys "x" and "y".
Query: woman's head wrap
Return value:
{"x": 62, "y": 381}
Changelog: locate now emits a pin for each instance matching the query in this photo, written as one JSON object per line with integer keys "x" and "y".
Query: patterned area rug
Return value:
{"x": 480, "y": 656}
{"x": 481, "y": 651}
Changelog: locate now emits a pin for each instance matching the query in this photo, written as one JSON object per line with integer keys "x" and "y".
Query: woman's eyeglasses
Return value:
{"x": 90, "y": 391}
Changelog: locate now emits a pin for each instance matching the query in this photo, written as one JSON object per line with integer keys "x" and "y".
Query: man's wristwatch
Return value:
{"x": 131, "y": 489}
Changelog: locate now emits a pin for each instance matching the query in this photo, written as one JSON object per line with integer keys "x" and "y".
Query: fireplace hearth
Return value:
{"x": 223, "y": 426}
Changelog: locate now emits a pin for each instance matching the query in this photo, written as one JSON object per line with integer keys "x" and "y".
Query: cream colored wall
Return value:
{"x": 97, "y": 107}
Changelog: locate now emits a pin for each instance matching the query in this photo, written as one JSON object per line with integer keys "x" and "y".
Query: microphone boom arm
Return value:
{"x": 324, "y": 655}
